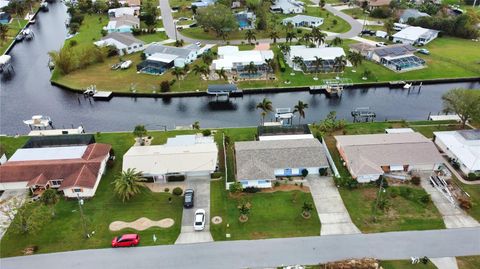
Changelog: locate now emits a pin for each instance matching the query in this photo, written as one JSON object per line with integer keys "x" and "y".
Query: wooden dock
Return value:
{"x": 102, "y": 95}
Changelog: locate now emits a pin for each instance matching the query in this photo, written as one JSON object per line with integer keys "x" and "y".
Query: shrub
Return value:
{"x": 276, "y": 184}
{"x": 166, "y": 190}
{"x": 415, "y": 180}
{"x": 464, "y": 203}
{"x": 73, "y": 43}
{"x": 165, "y": 86}
{"x": 304, "y": 172}
{"x": 251, "y": 189}
{"x": 472, "y": 176}
{"x": 323, "y": 171}
{"x": 206, "y": 132}
{"x": 74, "y": 27}
{"x": 425, "y": 199}
{"x": 381, "y": 12}
{"x": 77, "y": 18}
{"x": 177, "y": 191}
{"x": 235, "y": 187}
{"x": 281, "y": 62}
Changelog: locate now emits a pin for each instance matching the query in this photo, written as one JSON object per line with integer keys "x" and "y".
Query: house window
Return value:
{"x": 55, "y": 183}
{"x": 75, "y": 190}
{"x": 134, "y": 47}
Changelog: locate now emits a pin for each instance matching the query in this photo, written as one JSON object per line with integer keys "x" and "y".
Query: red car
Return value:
{"x": 126, "y": 240}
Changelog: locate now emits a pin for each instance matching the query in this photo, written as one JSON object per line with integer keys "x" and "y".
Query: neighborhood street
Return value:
{"x": 265, "y": 253}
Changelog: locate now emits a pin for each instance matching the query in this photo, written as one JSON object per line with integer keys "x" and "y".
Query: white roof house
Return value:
{"x": 303, "y": 21}
{"x": 230, "y": 57}
{"x": 188, "y": 155}
{"x": 415, "y": 35}
{"x": 122, "y": 24}
{"x": 327, "y": 54}
{"x": 462, "y": 146}
{"x": 50, "y": 153}
{"x": 287, "y": 6}
{"x": 167, "y": 54}
{"x": 125, "y": 43}
{"x": 118, "y": 12}
{"x": 369, "y": 156}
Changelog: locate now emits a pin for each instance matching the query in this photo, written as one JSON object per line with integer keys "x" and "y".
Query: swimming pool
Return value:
{"x": 243, "y": 23}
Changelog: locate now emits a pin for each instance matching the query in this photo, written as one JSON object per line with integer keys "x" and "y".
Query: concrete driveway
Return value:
{"x": 331, "y": 210}
{"x": 201, "y": 186}
{"x": 9, "y": 201}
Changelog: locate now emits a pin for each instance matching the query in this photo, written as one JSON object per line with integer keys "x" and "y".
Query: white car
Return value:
{"x": 199, "y": 222}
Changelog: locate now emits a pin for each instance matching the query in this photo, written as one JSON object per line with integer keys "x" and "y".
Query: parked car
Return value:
{"x": 126, "y": 240}
{"x": 423, "y": 51}
{"x": 199, "y": 222}
{"x": 188, "y": 198}
{"x": 367, "y": 32}
{"x": 198, "y": 43}
{"x": 380, "y": 44}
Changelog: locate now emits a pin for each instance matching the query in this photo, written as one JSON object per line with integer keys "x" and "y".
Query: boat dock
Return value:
{"x": 102, "y": 95}
{"x": 363, "y": 113}
{"x": 444, "y": 117}
{"x": 332, "y": 87}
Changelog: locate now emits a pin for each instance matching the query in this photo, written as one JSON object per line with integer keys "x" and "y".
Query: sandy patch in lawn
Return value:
{"x": 141, "y": 224}
{"x": 287, "y": 187}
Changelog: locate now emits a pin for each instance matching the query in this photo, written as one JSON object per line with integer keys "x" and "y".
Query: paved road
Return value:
{"x": 330, "y": 208}
{"x": 168, "y": 24}
{"x": 265, "y": 253}
{"x": 201, "y": 187}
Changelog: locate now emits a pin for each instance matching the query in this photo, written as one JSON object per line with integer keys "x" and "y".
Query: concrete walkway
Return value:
{"x": 330, "y": 208}
{"x": 453, "y": 216}
{"x": 445, "y": 263}
{"x": 201, "y": 187}
{"x": 265, "y": 253}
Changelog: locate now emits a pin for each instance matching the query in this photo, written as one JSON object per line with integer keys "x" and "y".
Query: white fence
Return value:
{"x": 330, "y": 159}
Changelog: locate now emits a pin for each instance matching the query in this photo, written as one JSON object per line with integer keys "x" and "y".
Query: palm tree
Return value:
{"x": 318, "y": 62}
{"x": 288, "y": 28}
{"x": 274, "y": 36}
{"x": 336, "y": 41}
{"x": 285, "y": 49}
{"x": 307, "y": 38}
{"x": 50, "y": 198}
{"x": 196, "y": 125}
{"x": 307, "y": 209}
{"x": 177, "y": 72}
{"x": 318, "y": 36}
{"x": 128, "y": 183}
{"x": 251, "y": 68}
{"x": 290, "y": 36}
{"x": 298, "y": 62}
{"x": 201, "y": 69}
{"x": 179, "y": 43}
{"x": 265, "y": 106}
{"x": 339, "y": 63}
{"x": 355, "y": 58}
{"x": 250, "y": 35}
{"x": 244, "y": 210}
{"x": 222, "y": 74}
{"x": 207, "y": 57}
{"x": 300, "y": 109}
{"x": 270, "y": 65}
{"x": 3, "y": 32}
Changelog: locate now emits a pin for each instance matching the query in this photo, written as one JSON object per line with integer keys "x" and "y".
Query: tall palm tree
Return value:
{"x": 339, "y": 63}
{"x": 298, "y": 62}
{"x": 318, "y": 36}
{"x": 285, "y": 49}
{"x": 207, "y": 57}
{"x": 270, "y": 65}
{"x": 336, "y": 41}
{"x": 177, "y": 72}
{"x": 222, "y": 74}
{"x": 318, "y": 62}
{"x": 355, "y": 58}
{"x": 250, "y": 35}
{"x": 3, "y": 32}
{"x": 50, "y": 198}
{"x": 265, "y": 106}
{"x": 290, "y": 36}
{"x": 307, "y": 38}
{"x": 300, "y": 109}
{"x": 128, "y": 183}
{"x": 251, "y": 68}
{"x": 274, "y": 36}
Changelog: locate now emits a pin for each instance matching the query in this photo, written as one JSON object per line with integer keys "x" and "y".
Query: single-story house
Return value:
{"x": 372, "y": 4}
{"x": 203, "y": 3}
{"x": 246, "y": 19}
{"x": 160, "y": 58}
{"x": 130, "y": 3}
{"x": 258, "y": 163}
{"x": 461, "y": 146}
{"x": 125, "y": 43}
{"x": 284, "y": 132}
{"x": 415, "y": 35}
{"x": 411, "y": 13}
{"x": 367, "y": 157}
{"x": 327, "y": 54}
{"x": 74, "y": 170}
{"x": 303, "y": 21}
{"x": 4, "y": 3}
{"x": 121, "y": 11}
{"x": 287, "y": 6}
{"x": 396, "y": 57}
{"x": 231, "y": 59}
{"x": 122, "y": 24}
{"x": 183, "y": 155}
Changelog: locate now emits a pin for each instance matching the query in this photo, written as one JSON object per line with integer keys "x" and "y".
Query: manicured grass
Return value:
{"x": 468, "y": 262}
{"x": 13, "y": 28}
{"x": 101, "y": 210}
{"x": 402, "y": 214}
{"x": 406, "y": 264}
{"x": 427, "y": 131}
{"x": 474, "y": 192}
{"x": 158, "y": 36}
{"x": 90, "y": 30}
{"x": 272, "y": 215}
{"x": 357, "y": 13}
{"x": 11, "y": 144}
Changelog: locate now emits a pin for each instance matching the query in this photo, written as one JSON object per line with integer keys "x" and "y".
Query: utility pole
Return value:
{"x": 84, "y": 224}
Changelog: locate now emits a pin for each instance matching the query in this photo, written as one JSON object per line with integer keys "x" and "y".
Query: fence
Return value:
{"x": 330, "y": 159}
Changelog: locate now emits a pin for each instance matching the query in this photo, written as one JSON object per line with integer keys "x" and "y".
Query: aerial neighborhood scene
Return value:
{"x": 294, "y": 134}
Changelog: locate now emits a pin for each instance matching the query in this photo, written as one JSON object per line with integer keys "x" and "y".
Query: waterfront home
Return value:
{"x": 237, "y": 62}
{"x": 372, "y": 4}
{"x": 258, "y": 163}
{"x": 75, "y": 170}
{"x": 396, "y": 57}
{"x": 203, "y": 3}
{"x": 119, "y": 12}
{"x": 303, "y": 21}
{"x": 411, "y": 13}
{"x": 123, "y": 24}
{"x": 309, "y": 56}
{"x": 415, "y": 35}
{"x": 5, "y": 18}
{"x": 246, "y": 19}
{"x": 462, "y": 147}
{"x": 367, "y": 157}
{"x": 183, "y": 156}
{"x": 125, "y": 43}
{"x": 287, "y": 6}
{"x": 130, "y": 3}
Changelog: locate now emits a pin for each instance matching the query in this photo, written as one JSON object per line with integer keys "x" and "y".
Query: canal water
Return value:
{"x": 29, "y": 92}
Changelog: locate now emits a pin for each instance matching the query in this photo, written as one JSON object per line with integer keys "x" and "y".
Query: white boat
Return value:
{"x": 91, "y": 90}
{"x": 39, "y": 121}
{"x": 28, "y": 34}
{"x": 126, "y": 64}
{"x": 407, "y": 85}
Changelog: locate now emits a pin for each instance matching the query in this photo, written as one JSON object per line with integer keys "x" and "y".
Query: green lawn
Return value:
{"x": 90, "y": 30}
{"x": 101, "y": 210}
{"x": 468, "y": 262}
{"x": 158, "y": 36}
{"x": 272, "y": 215}
{"x": 11, "y": 144}
{"x": 406, "y": 264}
{"x": 474, "y": 192}
{"x": 13, "y": 28}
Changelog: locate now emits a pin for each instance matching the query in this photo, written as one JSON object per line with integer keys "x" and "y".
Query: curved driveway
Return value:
{"x": 170, "y": 30}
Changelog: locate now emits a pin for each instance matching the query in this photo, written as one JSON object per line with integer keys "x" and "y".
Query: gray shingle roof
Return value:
{"x": 259, "y": 159}
{"x": 124, "y": 38}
